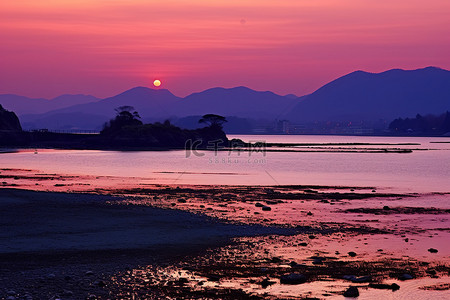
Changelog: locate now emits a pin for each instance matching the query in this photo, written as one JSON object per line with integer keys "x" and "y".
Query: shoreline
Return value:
{"x": 307, "y": 229}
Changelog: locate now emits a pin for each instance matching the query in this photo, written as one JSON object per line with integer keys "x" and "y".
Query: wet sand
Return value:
{"x": 337, "y": 236}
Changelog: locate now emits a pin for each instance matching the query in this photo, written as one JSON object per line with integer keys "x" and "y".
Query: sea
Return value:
{"x": 400, "y": 164}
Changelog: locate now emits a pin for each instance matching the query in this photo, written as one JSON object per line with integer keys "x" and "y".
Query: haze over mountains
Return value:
{"x": 358, "y": 96}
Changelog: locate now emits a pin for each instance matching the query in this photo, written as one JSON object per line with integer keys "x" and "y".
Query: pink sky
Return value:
{"x": 103, "y": 47}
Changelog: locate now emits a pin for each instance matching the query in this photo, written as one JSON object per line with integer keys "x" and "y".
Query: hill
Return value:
{"x": 373, "y": 96}
{"x": 24, "y": 105}
{"x": 239, "y": 102}
{"x": 365, "y": 99}
{"x": 9, "y": 121}
{"x": 158, "y": 105}
{"x": 10, "y": 129}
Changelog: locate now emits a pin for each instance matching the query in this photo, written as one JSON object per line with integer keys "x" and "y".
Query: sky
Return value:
{"x": 104, "y": 47}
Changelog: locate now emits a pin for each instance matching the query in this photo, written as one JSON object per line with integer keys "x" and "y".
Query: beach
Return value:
{"x": 61, "y": 231}
{"x": 156, "y": 241}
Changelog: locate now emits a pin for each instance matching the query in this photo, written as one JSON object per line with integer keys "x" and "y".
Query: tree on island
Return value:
{"x": 126, "y": 131}
{"x": 126, "y": 116}
{"x": 213, "y": 120}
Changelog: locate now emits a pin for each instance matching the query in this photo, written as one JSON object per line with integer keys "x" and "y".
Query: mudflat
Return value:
{"x": 125, "y": 240}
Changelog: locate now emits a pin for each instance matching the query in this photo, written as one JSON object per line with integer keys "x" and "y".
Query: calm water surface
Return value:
{"x": 420, "y": 171}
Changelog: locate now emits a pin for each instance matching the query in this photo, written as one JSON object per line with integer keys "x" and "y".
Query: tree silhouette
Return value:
{"x": 126, "y": 116}
{"x": 213, "y": 120}
{"x": 127, "y": 112}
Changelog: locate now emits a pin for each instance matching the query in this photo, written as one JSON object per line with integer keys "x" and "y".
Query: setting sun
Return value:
{"x": 157, "y": 82}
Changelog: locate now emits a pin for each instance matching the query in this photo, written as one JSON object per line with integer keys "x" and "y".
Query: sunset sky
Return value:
{"x": 103, "y": 47}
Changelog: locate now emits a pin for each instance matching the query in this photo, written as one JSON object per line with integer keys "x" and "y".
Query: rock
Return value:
{"x": 361, "y": 279}
{"x": 386, "y": 207}
{"x": 51, "y": 276}
{"x": 67, "y": 293}
{"x": 213, "y": 277}
{"x": 100, "y": 283}
{"x": 406, "y": 240}
{"x": 303, "y": 244}
{"x": 266, "y": 282}
{"x": 10, "y": 298}
{"x": 293, "y": 278}
{"x": 432, "y": 250}
{"x": 182, "y": 200}
{"x": 11, "y": 293}
{"x": 309, "y": 213}
{"x": 349, "y": 277}
{"x": 383, "y": 286}
{"x": 275, "y": 259}
{"x": 405, "y": 277}
{"x": 89, "y": 273}
{"x": 351, "y": 254}
{"x": 259, "y": 204}
{"x": 266, "y": 208}
{"x": 312, "y": 237}
{"x": 351, "y": 292}
{"x": 317, "y": 261}
{"x": 432, "y": 272}
{"x": 28, "y": 297}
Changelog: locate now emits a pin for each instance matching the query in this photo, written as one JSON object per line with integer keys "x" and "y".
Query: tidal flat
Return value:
{"x": 148, "y": 241}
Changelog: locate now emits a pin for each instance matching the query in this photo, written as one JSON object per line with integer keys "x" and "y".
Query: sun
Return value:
{"x": 157, "y": 82}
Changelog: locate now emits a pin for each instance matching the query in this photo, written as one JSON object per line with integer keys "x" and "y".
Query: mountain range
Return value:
{"x": 358, "y": 96}
{"x": 371, "y": 96}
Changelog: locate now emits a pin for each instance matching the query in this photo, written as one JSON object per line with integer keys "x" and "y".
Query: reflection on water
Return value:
{"x": 424, "y": 170}
{"x": 254, "y": 268}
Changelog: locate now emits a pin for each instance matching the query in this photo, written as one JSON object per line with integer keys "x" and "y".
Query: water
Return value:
{"x": 420, "y": 171}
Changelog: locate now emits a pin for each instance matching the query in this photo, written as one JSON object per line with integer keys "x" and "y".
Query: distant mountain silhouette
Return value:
{"x": 239, "y": 101}
{"x": 157, "y": 105}
{"x": 23, "y": 105}
{"x": 65, "y": 121}
{"x": 69, "y": 100}
{"x": 354, "y": 97}
{"x": 372, "y": 96}
{"x": 149, "y": 103}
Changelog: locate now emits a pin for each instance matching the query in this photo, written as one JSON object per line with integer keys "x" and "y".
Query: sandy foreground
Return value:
{"x": 49, "y": 221}
{"x": 44, "y": 231}
{"x": 112, "y": 238}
